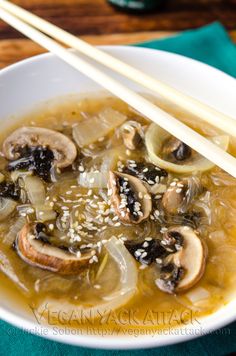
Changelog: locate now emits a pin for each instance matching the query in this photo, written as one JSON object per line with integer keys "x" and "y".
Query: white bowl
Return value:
{"x": 35, "y": 80}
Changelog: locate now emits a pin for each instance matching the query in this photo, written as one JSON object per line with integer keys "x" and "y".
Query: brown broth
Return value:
{"x": 150, "y": 306}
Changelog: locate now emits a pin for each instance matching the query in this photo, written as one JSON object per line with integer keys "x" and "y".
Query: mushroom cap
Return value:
{"x": 143, "y": 197}
{"x": 177, "y": 197}
{"x": 63, "y": 148}
{"x": 132, "y": 134}
{"x": 192, "y": 258}
{"x": 48, "y": 257}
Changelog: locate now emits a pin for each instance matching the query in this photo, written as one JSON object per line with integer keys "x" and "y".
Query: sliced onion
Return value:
{"x": 14, "y": 229}
{"x": 93, "y": 179}
{"x": 7, "y": 268}
{"x": 124, "y": 292}
{"x": 7, "y": 206}
{"x": 52, "y": 282}
{"x": 198, "y": 294}
{"x": 156, "y": 136}
{"x": 90, "y": 130}
{"x": 36, "y": 194}
{"x": 35, "y": 190}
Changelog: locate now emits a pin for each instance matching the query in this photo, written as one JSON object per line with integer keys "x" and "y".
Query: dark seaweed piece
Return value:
{"x": 146, "y": 252}
{"x": 131, "y": 197}
{"x": 41, "y": 233}
{"x": 147, "y": 172}
{"x": 10, "y": 190}
{"x": 182, "y": 152}
{"x": 37, "y": 159}
{"x": 170, "y": 275}
{"x": 172, "y": 241}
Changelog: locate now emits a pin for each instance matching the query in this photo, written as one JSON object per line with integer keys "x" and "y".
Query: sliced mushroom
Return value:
{"x": 38, "y": 252}
{"x": 63, "y": 148}
{"x": 129, "y": 197}
{"x": 179, "y": 195}
{"x": 184, "y": 268}
{"x": 174, "y": 155}
{"x": 176, "y": 150}
{"x": 132, "y": 134}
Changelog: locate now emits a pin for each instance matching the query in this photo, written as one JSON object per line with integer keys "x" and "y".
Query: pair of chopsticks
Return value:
{"x": 39, "y": 31}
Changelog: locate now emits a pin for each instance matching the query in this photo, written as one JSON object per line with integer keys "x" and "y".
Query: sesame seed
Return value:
{"x": 78, "y": 254}
{"x": 163, "y": 230}
{"x": 97, "y": 286}
{"x": 143, "y": 267}
{"x": 144, "y": 254}
{"x": 95, "y": 258}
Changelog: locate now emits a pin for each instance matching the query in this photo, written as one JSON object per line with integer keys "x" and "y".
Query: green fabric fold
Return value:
{"x": 210, "y": 44}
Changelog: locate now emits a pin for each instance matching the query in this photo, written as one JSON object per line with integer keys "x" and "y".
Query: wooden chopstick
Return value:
{"x": 203, "y": 111}
{"x": 176, "y": 128}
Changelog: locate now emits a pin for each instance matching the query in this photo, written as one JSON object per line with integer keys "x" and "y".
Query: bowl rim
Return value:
{"x": 119, "y": 342}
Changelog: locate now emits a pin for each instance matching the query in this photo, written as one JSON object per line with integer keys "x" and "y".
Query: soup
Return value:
{"x": 107, "y": 218}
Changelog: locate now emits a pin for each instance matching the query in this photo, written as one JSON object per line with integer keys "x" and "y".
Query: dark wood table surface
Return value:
{"x": 99, "y": 23}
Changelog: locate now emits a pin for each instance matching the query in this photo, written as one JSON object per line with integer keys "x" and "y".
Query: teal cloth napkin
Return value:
{"x": 209, "y": 44}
